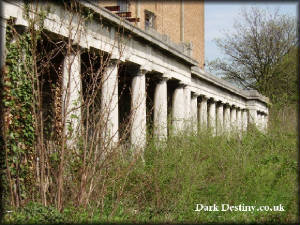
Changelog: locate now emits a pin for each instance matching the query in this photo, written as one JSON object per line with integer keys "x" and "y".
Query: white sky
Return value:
{"x": 220, "y": 16}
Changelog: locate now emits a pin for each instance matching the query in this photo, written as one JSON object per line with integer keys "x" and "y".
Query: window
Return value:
{"x": 124, "y": 5}
{"x": 150, "y": 20}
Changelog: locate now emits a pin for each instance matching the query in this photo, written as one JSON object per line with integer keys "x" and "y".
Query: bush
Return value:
{"x": 34, "y": 213}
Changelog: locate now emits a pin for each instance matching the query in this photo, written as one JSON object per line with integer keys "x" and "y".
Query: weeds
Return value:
{"x": 259, "y": 170}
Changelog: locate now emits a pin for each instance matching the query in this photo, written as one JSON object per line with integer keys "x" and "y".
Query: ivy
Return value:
{"x": 19, "y": 81}
{"x": 18, "y": 100}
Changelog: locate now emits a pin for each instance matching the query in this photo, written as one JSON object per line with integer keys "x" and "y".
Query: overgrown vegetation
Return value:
{"x": 260, "y": 169}
{"x": 47, "y": 180}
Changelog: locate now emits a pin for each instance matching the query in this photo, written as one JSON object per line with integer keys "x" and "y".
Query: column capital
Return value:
{"x": 211, "y": 99}
{"x": 142, "y": 71}
{"x": 194, "y": 94}
{"x": 181, "y": 84}
{"x": 204, "y": 97}
{"x": 117, "y": 57}
{"x": 219, "y": 102}
{"x": 145, "y": 68}
{"x": 164, "y": 77}
{"x": 113, "y": 61}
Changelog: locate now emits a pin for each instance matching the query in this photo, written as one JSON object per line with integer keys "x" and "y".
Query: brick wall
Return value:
{"x": 168, "y": 20}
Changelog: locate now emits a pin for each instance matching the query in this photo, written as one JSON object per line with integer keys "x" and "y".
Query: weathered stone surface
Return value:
{"x": 160, "y": 56}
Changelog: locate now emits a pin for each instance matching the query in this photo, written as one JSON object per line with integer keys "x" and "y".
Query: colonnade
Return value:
{"x": 192, "y": 109}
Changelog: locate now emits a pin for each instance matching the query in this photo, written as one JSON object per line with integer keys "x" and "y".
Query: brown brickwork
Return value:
{"x": 194, "y": 28}
{"x": 168, "y": 20}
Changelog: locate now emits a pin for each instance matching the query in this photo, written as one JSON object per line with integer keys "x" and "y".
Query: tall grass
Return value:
{"x": 256, "y": 170}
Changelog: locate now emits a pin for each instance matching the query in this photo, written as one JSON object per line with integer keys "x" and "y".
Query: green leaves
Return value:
{"x": 18, "y": 103}
{"x": 261, "y": 54}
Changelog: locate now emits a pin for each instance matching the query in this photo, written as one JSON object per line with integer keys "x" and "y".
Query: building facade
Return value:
{"x": 146, "y": 74}
{"x": 180, "y": 21}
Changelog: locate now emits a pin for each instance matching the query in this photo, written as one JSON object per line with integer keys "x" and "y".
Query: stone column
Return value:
{"x": 71, "y": 96}
{"x": 259, "y": 121}
{"x": 138, "y": 110}
{"x": 178, "y": 110}
{"x": 187, "y": 106}
{"x": 202, "y": 113}
{"x": 194, "y": 113}
{"x": 266, "y": 121}
{"x": 3, "y": 40}
{"x": 212, "y": 117}
{"x": 220, "y": 118}
{"x": 109, "y": 102}
{"x": 244, "y": 119}
{"x": 239, "y": 120}
{"x": 227, "y": 123}
{"x": 160, "y": 128}
{"x": 252, "y": 117}
{"x": 263, "y": 122}
{"x": 233, "y": 123}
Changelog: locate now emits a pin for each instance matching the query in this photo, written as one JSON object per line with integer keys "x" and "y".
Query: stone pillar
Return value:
{"x": 178, "y": 110}
{"x": 233, "y": 123}
{"x": 252, "y": 117}
{"x": 259, "y": 121}
{"x": 138, "y": 110}
{"x": 227, "y": 122}
{"x": 266, "y": 121}
{"x": 3, "y": 23}
{"x": 109, "y": 102}
{"x": 263, "y": 122}
{"x": 202, "y": 113}
{"x": 244, "y": 119}
{"x": 239, "y": 120}
{"x": 187, "y": 106}
{"x": 194, "y": 113}
{"x": 220, "y": 118}
{"x": 212, "y": 117}
{"x": 71, "y": 96}
{"x": 160, "y": 128}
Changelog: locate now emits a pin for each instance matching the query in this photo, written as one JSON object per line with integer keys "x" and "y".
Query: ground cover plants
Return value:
{"x": 258, "y": 169}
{"x": 55, "y": 172}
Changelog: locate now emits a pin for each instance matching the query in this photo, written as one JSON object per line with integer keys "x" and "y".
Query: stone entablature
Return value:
{"x": 197, "y": 96}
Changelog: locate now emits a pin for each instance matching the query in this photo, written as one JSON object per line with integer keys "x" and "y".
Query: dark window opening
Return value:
{"x": 150, "y": 20}
{"x": 124, "y": 5}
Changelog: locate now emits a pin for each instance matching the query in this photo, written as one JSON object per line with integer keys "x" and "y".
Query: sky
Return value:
{"x": 220, "y": 16}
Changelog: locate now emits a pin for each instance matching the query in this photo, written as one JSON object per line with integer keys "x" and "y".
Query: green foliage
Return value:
{"x": 34, "y": 213}
{"x": 284, "y": 85}
{"x": 18, "y": 101}
{"x": 259, "y": 169}
{"x": 261, "y": 53}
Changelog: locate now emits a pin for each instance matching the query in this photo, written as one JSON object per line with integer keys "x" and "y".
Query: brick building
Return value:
{"x": 180, "y": 21}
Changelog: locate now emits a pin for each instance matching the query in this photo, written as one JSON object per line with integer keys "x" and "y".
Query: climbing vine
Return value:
{"x": 19, "y": 80}
{"x": 19, "y": 121}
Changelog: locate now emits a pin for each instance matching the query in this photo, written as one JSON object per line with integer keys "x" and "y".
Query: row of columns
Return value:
{"x": 222, "y": 118}
{"x": 188, "y": 112}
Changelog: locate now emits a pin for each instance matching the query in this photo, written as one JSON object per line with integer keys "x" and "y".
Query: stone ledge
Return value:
{"x": 248, "y": 94}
